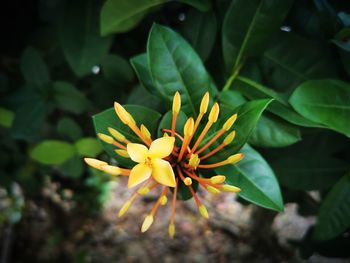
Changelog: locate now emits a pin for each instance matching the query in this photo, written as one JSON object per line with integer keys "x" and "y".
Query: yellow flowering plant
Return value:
{"x": 197, "y": 144}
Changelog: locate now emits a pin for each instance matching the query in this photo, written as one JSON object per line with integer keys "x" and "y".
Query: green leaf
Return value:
{"x": 108, "y": 118}
{"x": 294, "y": 59}
{"x": 73, "y": 167}
{"x": 117, "y": 70}
{"x": 52, "y": 152}
{"x": 248, "y": 116}
{"x": 272, "y": 131}
{"x": 29, "y": 117}
{"x": 6, "y": 117}
{"x": 140, "y": 65}
{"x": 121, "y": 16}
{"x": 79, "y": 36}
{"x": 248, "y": 26}
{"x": 334, "y": 214}
{"x": 140, "y": 96}
{"x": 309, "y": 164}
{"x": 34, "y": 69}
{"x": 279, "y": 106}
{"x": 69, "y": 129}
{"x": 256, "y": 179}
{"x": 324, "y": 101}
{"x": 68, "y": 98}
{"x": 175, "y": 66}
{"x": 200, "y": 30}
{"x": 88, "y": 147}
{"x": 202, "y": 5}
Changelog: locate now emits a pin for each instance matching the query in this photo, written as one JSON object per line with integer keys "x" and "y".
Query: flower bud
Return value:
{"x": 105, "y": 138}
{"x": 117, "y": 135}
{"x": 176, "y": 103}
{"x": 97, "y": 164}
{"x": 204, "y": 103}
{"x": 230, "y": 188}
{"x": 214, "y": 113}
{"x": 228, "y": 124}
{"x": 229, "y": 138}
{"x": 147, "y": 223}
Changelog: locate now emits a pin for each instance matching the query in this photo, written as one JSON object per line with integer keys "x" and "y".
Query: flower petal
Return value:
{"x": 163, "y": 173}
{"x": 162, "y": 147}
{"x": 137, "y": 152}
{"x": 138, "y": 174}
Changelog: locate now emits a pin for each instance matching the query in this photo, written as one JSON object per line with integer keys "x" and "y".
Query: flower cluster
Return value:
{"x": 162, "y": 163}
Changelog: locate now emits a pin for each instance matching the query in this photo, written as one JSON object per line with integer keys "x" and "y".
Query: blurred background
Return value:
{"x": 57, "y": 71}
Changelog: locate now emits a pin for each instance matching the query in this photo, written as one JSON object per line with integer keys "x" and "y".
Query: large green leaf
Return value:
{"x": 334, "y": 214}
{"x": 29, "y": 116}
{"x": 256, "y": 179}
{"x": 79, "y": 36}
{"x": 310, "y": 164}
{"x": 121, "y": 16}
{"x": 140, "y": 96}
{"x": 272, "y": 131}
{"x": 6, "y": 117}
{"x": 52, "y": 152}
{"x": 279, "y": 106}
{"x": 68, "y": 98}
{"x": 294, "y": 59}
{"x": 202, "y": 5}
{"x": 108, "y": 118}
{"x": 69, "y": 129}
{"x": 248, "y": 26}
{"x": 88, "y": 147}
{"x": 248, "y": 116}
{"x": 34, "y": 69}
{"x": 200, "y": 30}
{"x": 140, "y": 65}
{"x": 175, "y": 66}
{"x": 117, "y": 70}
{"x": 324, "y": 101}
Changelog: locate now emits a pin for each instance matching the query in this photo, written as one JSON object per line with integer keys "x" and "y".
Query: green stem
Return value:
{"x": 232, "y": 77}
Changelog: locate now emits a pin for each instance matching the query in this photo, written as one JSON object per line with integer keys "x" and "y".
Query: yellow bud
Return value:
{"x": 213, "y": 190}
{"x": 228, "y": 124}
{"x": 204, "y": 103}
{"x": 235, "y": 158}
{"x": 163, "y": 200}
{"x": 203, "y": 211}
{"x": 176, "y": 102}
{"x": 171, "y": 230}
{"x": 143, "y": 190}
{"x": 145, "y": 132}
{"x": 229, "y": 138}
{"x": 97, "y": 164}
{"x": 122, "y": 153}
{"x": 165, "y": 134}
{"x": 189, "y": 126}
{"x": 230, "y": 188}
{"x": 194, "y": 161}
{"x": 125, "y": 208}
{"x": 147, "y": 223}
{"x": 123, "y": 115}
{"x": 188, "y": 181}
{"x": 117, "y": 135}
{"x": 214, "y": 113}
{"x": 217, "y": 179}
{"x": 105, "y": 138}
{"x": 113, "y": 170}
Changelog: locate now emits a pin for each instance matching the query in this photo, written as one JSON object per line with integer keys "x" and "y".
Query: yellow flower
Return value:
{"x": 151, "y": 163}
{"x": 162, "y": 164}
